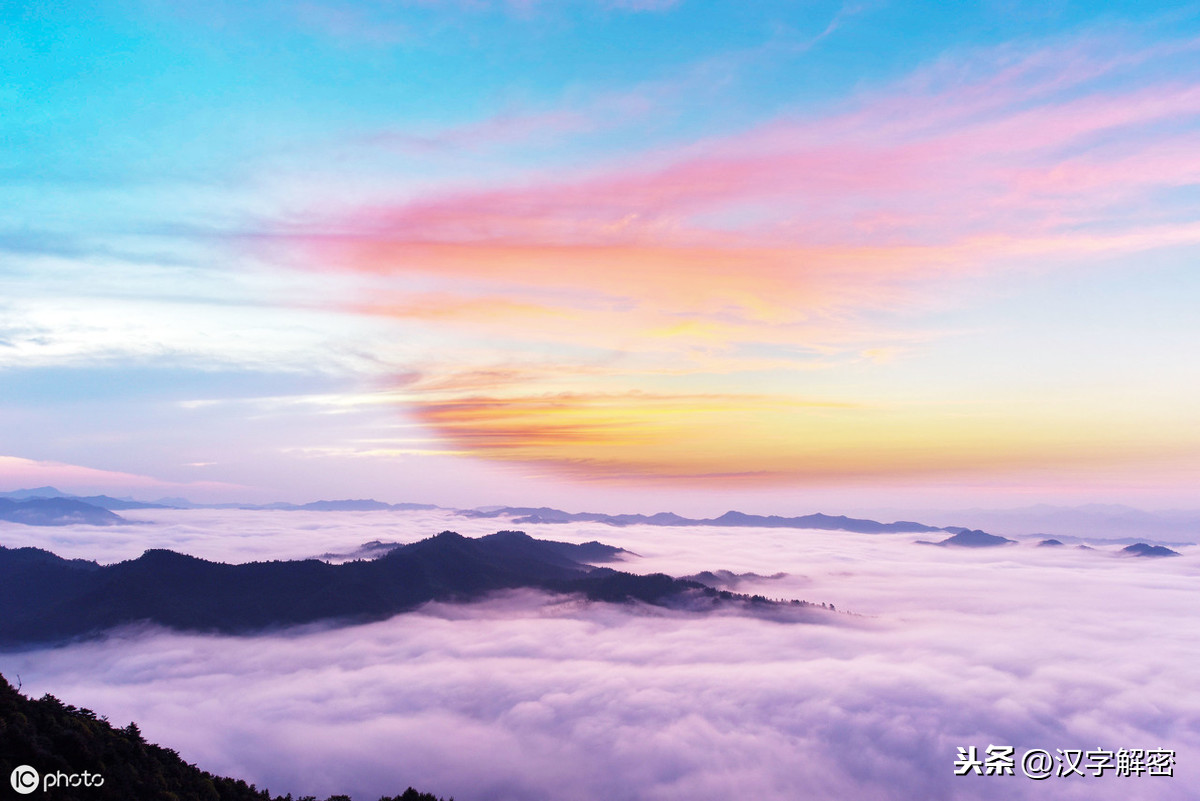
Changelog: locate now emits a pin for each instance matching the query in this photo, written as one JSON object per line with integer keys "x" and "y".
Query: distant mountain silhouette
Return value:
{"x": 971, "y": 539}
{"x": 588, "y": 552}
{"x": 34, "y": 492}
{"x": 364, "y": 505}
{"x": 1108, "y": 518}
{"x": 44, "y": 598}
{"x": 727, "y": 579}
{"x": 361, "y": 505}
{"x": 55, "y": 512}
{"x": 103, "y": 501}
{"x": 108, "y": 502}
{"x": 1110, "y": 523}
{"x": 118, "y": 504}
{"x": 368, "y": 550}
{"x": 522, "y": 515}
{"x": 53, "y": 737}
{"x": 1050, "y": 543}
{"x": 1142, "y": 549}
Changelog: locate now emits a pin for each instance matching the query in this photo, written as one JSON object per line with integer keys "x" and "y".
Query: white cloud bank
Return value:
{"x": 527, "y": 698}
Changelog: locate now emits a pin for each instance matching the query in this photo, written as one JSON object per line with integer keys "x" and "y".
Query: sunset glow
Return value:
{"x": 600, "y": 400}
{"x": 973, "y": 261}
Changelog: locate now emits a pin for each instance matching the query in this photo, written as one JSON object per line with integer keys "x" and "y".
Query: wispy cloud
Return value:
{"x": 1008, "y": 156}
{"x": 834, "y": 234}
{"x": 16, "y": 471}
{"x": 636, "y": 437}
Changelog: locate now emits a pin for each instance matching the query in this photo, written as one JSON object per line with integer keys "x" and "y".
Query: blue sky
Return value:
{"x": 621, "y": 254}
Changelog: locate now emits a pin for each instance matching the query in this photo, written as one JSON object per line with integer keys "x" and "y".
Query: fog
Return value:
{"x": 527, "y": 696}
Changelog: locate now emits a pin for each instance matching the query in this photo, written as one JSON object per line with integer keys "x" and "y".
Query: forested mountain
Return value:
{"x": 56, "y": 738}
{"x": 44, "y": 598}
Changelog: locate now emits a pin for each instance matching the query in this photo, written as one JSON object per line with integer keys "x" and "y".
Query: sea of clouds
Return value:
{"x": 531, "y": 697}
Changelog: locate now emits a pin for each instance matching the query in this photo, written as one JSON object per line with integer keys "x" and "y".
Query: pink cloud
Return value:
{"x": 921, "y": 169}
{"x": 17, "y": 472}
{"x": 799, "y": 235}
{"x": 955, "y": 171}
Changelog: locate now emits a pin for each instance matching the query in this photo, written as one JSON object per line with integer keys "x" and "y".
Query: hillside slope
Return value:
{"x": 57, "y": 738}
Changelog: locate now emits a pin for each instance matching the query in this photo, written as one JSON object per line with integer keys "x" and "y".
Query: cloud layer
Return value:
{"x": 810, "y": 244}
{"x": 526, "y": 697}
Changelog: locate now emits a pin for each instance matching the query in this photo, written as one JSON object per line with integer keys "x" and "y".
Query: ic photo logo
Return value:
{"x": 24, "y": 779}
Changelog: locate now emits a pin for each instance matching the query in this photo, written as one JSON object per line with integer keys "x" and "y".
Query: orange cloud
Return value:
{"x": 825, "y": 219}
{"x": 801, "y": 240}
{"x": 637, "y": 437}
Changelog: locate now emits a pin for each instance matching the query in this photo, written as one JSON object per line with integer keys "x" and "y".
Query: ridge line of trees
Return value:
{"x": 55, "y": 737}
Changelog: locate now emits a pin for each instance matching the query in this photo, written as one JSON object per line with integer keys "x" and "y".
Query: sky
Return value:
{"x": 623, "y": 255}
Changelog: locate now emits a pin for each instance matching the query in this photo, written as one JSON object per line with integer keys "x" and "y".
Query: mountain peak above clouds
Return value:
{"x": 46, "y": 599}
{"x": 56, "y": 511}
{"x": 36, "y": 492}
{"x": 972, "y": 539}
{"x": 1145, "y": 549}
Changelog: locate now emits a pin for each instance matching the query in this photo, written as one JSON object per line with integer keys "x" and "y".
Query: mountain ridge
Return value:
{"x": 519, "y": 515}
{"x": 46, "y": 599}
{"x": 56, "y": 512}
{"x": 522, "y": 515}
{"x": 58, "y": 738}
{"x": 525, "y": 515}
